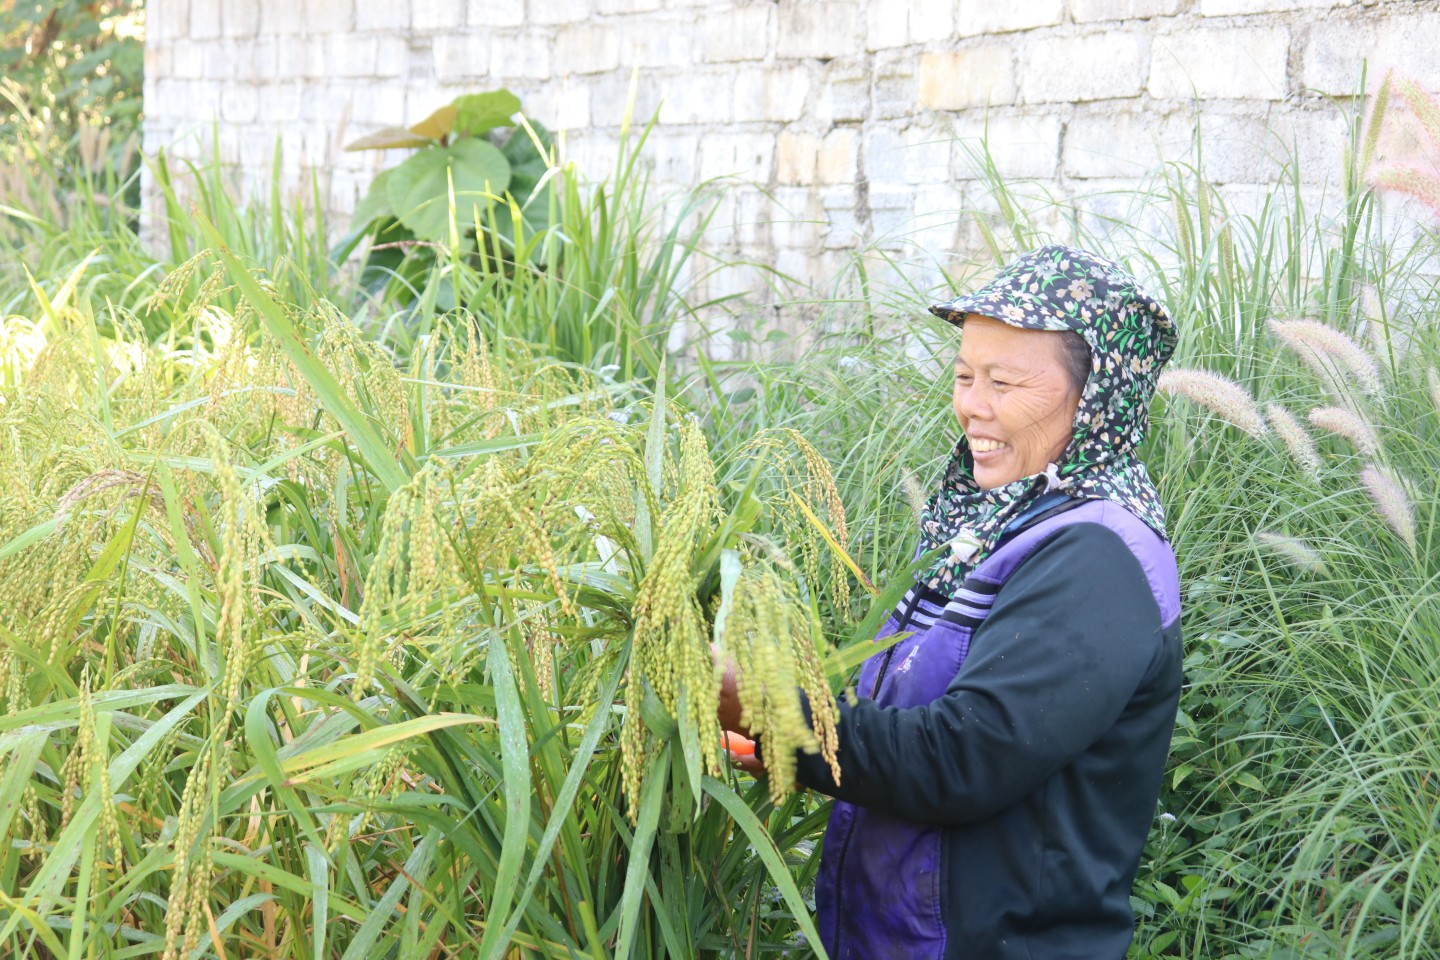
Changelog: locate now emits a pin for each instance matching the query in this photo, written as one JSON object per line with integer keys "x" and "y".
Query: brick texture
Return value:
{"x": 846, "y": 122}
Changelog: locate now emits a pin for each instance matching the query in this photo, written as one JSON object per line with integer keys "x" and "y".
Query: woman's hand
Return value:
{"x": 728, "y": 712}
{"x": 738, "y": 745}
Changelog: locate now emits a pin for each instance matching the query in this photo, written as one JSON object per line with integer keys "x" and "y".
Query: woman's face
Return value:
{"x": 1013, "y": 399}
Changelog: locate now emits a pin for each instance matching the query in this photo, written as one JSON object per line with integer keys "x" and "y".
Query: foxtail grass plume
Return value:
{"x": 1295, "y": 437}
{"x": 1220, "y": 395}
{"x": 1391, "y": 501}
{"x": 1292, "y": 550}
{"x": 1330, "y": 353}
{"x": 1350, "y": 425}
{"x": 1415, "y": 181}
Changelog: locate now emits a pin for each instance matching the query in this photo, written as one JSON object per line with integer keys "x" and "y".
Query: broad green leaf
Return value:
{"x": 390, "y": 138}
{"x": 479, "y": 113}
{"x": 438, "y": 125}
{"x": 376, "y": 202}
{"x": 419, "y": 189}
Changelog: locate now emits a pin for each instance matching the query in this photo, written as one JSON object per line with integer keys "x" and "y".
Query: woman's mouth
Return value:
{"x": 983, "y": 445}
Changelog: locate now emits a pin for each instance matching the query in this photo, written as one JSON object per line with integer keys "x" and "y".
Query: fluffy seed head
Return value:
{"x": 1295, "y": 438}
{"x": 1294, "y": 551}
{"x": 1220, "y": 395}
{"x": 1391, "y": 501}
{"x": 1350, "y": 425}
{"x": 1336, "y": 358}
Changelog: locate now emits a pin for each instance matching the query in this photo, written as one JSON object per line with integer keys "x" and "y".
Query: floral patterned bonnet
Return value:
{"x": 1130, "y": 338}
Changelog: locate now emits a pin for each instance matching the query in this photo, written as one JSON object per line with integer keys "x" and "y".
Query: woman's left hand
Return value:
{"x": 741, "y": 751}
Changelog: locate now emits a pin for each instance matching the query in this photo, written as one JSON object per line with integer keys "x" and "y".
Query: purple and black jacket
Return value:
{"x": 999, "y": 772}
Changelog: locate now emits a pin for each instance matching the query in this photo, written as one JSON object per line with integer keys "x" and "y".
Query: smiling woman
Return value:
{"x": 999, "y": 766}
{"x": 1015, "y": 398}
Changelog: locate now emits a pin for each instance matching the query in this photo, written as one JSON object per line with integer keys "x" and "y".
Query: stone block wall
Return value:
{"x": 842, "y": 122}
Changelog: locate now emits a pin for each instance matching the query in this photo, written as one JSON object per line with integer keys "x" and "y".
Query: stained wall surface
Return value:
{"x": 843, "y": 122}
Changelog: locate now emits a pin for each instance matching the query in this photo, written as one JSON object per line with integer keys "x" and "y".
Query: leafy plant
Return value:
{"x": 473, "y": 161}
{"x": 70, "y": 80}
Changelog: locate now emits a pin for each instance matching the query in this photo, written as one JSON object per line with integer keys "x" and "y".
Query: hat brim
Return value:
{"x": 1012, "y": 310}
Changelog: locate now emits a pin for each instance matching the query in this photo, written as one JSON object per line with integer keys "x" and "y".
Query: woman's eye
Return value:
{"x": 963, "y": 378}
{"x": 1000, "y": 383}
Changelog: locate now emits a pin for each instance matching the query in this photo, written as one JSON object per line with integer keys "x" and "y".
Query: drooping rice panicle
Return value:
{"x": 1334, "y": 357}
{"x": 1220, "y": 395}
{"x": 1391, "y": 501}
{"x": 1350, "y": 425}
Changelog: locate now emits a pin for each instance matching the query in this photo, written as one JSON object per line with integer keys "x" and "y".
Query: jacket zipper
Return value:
{"x": 849, "y": 834}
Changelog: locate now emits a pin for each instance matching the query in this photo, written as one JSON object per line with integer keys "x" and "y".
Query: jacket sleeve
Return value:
{"x": 1069, "y": 640}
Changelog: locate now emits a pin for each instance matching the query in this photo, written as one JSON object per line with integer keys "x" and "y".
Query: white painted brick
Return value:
{"x": 282, "y": 102}
{"x": 927, "y": 154}
{"x": 753, "y": 216}
{"x": 265, "y": 59}
{"x": 1240, "y": 63}
{"x": 883, "y": 150}
{"x": 772, "y": 93}
{"x": 842, "y": 92}
{"x": 586, "y": 48}
{"x": 1225, "y": 8}
{"x": 241, "y": 18}
{"x": 655, "y": 45}
{"x": 795, "y": 157}
{"x": 1241, "y": 148}
{"x": 561, "y": 107}
{"x": 461, "y": 56}
{"x": 220, "y": 61}
{"x": 322, "y": 15}
{"x": 900, "y": 23}
{"x": 186, "y": 59}
{"x": 1335, "y": 48}
{"x": 523, "y": 55}
{"x": 392, "y": 55}
{"x": 1084, "y": 11}
{"x": 838, "y": 157}
{"x": 167, "y": 19}
{"x": 485, "y": 14}
{"x": 935, "y": 217}
{"x": 1021, "y": 147}
{"x": 157, "y": 60}
{"x": 825, "y": 30}
{"x": 841, "y": 216}
{"x": 736, "y": 33}
{"x": 559, "y": 11}
{"x": 975, "y": 17}
{"x": 674, "y": 155}
{"x": 1128, "y": 143}
{"x": 204, "y": 19}
{"x": 744, "y": 155}
{"x": 447, "y": 15}
{"x": 351, "y": 55}
{"x": 1100, "y": 66}
{"x": 973, "y": 76}
{"x": 793, "y": 216}
{"x": 626, "y": 6}
{"x": 382, "y": 14}
{"x": 695, "y": 98}
{"x": 316, "y": 58}
{"x": 891, "y": 213}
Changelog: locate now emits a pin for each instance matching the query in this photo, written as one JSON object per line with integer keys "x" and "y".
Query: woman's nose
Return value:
{"x": 974, "y": 402}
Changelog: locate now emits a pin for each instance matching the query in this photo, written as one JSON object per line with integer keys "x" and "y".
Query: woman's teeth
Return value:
{"x": 985, "y": 446}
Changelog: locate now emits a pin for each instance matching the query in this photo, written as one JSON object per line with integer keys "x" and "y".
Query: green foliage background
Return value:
{"x": 73, "y": 73}
{"x": 239, "y": 394}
